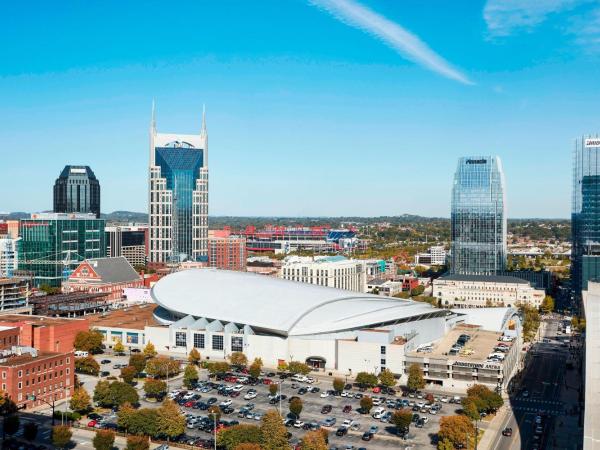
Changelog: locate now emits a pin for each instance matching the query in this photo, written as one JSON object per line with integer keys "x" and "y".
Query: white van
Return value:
{"x": 299, "y": 377}
{"x": 377, "y": 412}
{"x": 81, "y": 354}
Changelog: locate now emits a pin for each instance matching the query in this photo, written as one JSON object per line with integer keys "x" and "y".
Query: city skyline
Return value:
{"x": 361, "y": 100}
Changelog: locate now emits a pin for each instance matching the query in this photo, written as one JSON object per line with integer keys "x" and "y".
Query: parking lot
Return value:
{"x": 313, "y": 403}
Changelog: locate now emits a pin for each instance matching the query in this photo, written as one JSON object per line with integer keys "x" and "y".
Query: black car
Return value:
{"x": 367, "y": 436}
{"x": 415, "y": 418}
{"x": 341, "y": 431}
{"x": 326, "y": 409}
{"x": 302, "y": 391}
{"x": 105, "y": 361}
{"x": 211, "y": 401}
{"x": 289, "y": 422}
{"x": 104, "y": 373}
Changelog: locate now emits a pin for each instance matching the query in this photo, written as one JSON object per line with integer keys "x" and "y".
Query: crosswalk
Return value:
{"x": 533, "y": 409}
{"x": 545, "y": 402}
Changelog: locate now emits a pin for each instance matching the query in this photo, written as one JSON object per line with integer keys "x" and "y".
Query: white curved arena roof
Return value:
{"x": 278, "y": 306}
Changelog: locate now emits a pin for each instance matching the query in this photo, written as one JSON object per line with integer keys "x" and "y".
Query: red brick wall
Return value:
{"x": 8, "y": 338}
{"x": 58, "y": 338}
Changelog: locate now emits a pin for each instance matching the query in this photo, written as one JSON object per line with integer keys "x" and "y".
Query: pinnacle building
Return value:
{"x": 178, "y": 196}
{"x": 77, "y": 190}
{"x": 478, "y": 217}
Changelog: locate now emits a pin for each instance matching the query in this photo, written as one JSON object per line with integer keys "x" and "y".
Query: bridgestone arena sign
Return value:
{"x": 476, "y": 365}
{"x": 592, "y": 142}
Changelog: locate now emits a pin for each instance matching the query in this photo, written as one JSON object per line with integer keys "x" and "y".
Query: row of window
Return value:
{"x": 217, "y": 343}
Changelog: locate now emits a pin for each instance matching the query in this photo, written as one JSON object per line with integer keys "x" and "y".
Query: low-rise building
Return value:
{"x": 9, "y": 256}
{"x": 104, "y": 275}
{"x": 486, "y": 290}
{"x": 332, "y": 271}
{"x": 225, "y": 251}
{"x": 434, "y": 256}
{"x": 14, "y": 295}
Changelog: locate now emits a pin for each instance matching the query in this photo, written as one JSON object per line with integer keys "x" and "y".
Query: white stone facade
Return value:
{"x": 336, "y": 272}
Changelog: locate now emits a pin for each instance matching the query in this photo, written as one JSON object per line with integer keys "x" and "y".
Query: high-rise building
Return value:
{"x": 130, "y": 241}
{"x": 478, "y": 217}
{"x": 585, "y": 215}
{"x": 9, "y": 255}
{"x": 77, "y": 190}
{"x": 178, "y": 196}
{"x": 53, "y": 245}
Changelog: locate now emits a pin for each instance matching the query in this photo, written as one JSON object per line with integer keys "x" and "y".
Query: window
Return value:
{"x": 383, "y": 363}
{"x": 20, "y": 385}
{"x": 180, "y": 339}
{"x": 237, "y": 344}
{"x": 20, "y": 373}
{"x": 198, "y": 340}
{"x": 217, "y": 342}
{"x": 383, "y": 349}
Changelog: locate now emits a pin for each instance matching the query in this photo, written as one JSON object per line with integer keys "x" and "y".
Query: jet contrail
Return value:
{"x": 397, "y": 37}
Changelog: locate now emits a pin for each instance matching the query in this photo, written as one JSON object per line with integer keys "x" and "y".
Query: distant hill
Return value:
{"x": 126, "y": 217}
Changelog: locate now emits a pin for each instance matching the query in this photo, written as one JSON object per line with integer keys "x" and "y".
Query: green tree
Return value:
{"x": 247, "y": 446}
{"x": 121, "y": 393}
{"x": 128, "y": 374}
{"x": 484, "y": 398}
{"x": 102, "y": 393}
{"x": 232, "y": 437}
{"x": 124, "y": 416}
{"x": 417, "y": 291}
{"x": 137, "y": 443}
{"x": 194, "y": 356}
{"x": 238, "y": 359}
{"x": 144, "y": 421}
{"x": 138, "y": 361}
{"x": 402, "y": 419}
{"x": 365, "y": 379}
{"x": 338, "y": 384}
{"x": 313, "y": 440}
{"x": 190, "y": 376}
{"x": 30, "y": 431}
{"x": 298, "y": 367}
{"x": 155, "y": 388}
{"x": 61, "y": 436}
{"x": 104, "y": 440}
{"x": 89, "y": 341}
{"x": 161, "y": 367}
{"x": 456, "y": 429}
{"x": 548, "y": 304}
{"x": 445, "y": 444}
{"x": 80, "y": 400}
{"x": 170, "y": 422}
{"x": 415, "y": 378}
{"x": 254, "y": 370}
{"x": 119, "y": 347}
{"x": 218, "y": 367}
{"x": 470, "y": 408}
{"x": 149, "y": 350}
{"x": 366, "y": 404}
{"x": 273, "y": 388}
{"x": 87, "y": 365}
{"x": 11, "y": 424}
{"x": 296, "y": 406}
{"x": 272, "y": 431}
{"x": 386, "y": 378}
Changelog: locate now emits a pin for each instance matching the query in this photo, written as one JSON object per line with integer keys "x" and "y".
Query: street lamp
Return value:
{"x": 33, "y": 398}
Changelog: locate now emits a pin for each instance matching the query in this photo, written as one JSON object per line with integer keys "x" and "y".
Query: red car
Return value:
{"x": 92, "y": 423}
{"x": 267, "y": 381}
{"x": 376, "y": 390}
{"x": 347, "y": 409}
{"x": 188, "y": 404}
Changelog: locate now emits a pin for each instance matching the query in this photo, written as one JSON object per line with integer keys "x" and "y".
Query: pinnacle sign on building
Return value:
{"x": 594, "y": 142}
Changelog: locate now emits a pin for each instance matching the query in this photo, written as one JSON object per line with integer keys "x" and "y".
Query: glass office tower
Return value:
{"x": 178, "y": 192}
{"x": 585, "y": 215}
{"x": 478, "y": 217}
{"x": 77, "y": 190}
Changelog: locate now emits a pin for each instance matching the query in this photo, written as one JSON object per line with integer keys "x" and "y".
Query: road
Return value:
{"x": 537, "y": 392}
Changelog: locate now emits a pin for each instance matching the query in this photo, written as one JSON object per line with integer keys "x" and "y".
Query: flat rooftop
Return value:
{"x": 36, "y": 320}
{"x": 478, "y": 348}
{"x": 26, "y": 358}
{"x": 133, "y": 317}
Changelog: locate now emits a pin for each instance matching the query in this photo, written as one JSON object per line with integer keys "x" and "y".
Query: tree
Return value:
{"x": 119, "y": 347}
{"x": 121, "y": 393}
{"x": 365, "y": 379}
{"x": 470, "y": 408}
{"x": 456, "y": 429}
{"x": 104, "y": 440}
{"x": 155, "y": 388}
{"x": 445, "y": 444}
{"x": 386, "y": 378}
{"x": 138, "y": 361}
{"x": 484, "y": 398}
{"x": 233, "y": 436}
{"x": 89, "y": 341}
{"x": 124, "y": 416}
{"x": 299, "y": 367}
{"x": 87, "y": 365}
{"x": 102, "y": 393}
{"x": 296, "y": 406}
{"x": 417, "y": 291}
{"x": 273, "y": 389}
{"x": 415, "y": 378}
{"x": 80, "y": 400}
{"x": 402, "y": 419}
{"x": 143, "y": 421}
{"x": 366, "y": 404}
{"x": 338, "y": 384}
{"x": 313, "y": 440}
{"x": 273, "y": 435}
{"x": 254, "y": 370}
{"x": 190, "y": 376}
{"x": 219, "y": 367}
{"x": 149, "y": 350}
{"x": 137, "y": 443}
{"x": 30, "y": 431}
{"x": 548, "y": 304}
{"x": 128, "y": 374}
{"x": 214, "y": 413}
{"x": 161, "y": 367}
{"x": 238, "y": 359}
{"x": 170, "y": 422}
{"x": 194, "y": 356}
{"x": 282, "y": 366}
{"x": 61, "y": 436}
{"x": 247, "y": 446}
{"x": 11, "y": 424}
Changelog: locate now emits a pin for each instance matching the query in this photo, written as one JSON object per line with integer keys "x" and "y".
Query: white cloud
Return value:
{"x": 586, "y": 29}
{"x": 394, "y": 35}
{"x": 503, "y": 17}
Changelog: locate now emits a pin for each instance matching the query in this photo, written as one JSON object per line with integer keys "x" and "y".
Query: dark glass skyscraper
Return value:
{"x": 478, "y": 217}
{"x": 585, "y": 215}
{"x": 77, "y": 190}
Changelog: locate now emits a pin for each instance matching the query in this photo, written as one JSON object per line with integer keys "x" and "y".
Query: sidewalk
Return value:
{"x": 494, "y": 427}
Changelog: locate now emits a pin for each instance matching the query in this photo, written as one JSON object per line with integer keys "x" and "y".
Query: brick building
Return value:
{"x": 29, "y": 376}
{"x": 104, "y": 275}
{"x": 225, "y": 251}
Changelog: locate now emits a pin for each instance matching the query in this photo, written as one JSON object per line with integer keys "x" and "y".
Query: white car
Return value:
{"x": 250, "y": 396}
{"x": 348, "y": 423}
{"x": 425, "y": 419}
{"x": 238, "y": 388}
{"x": 377, "y": 401}
{"x": 298, "y": 424}
{"x": 324, "y": 394}
{"x": 344, "y": 394}
{"x": 225, "y": 403}
{"x": 299, "y": 377}
{"x": 310, "y": 380}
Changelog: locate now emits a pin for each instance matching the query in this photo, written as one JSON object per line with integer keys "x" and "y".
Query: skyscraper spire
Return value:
{"x": 203, "y": 131}
{"x": 153, "y": 120}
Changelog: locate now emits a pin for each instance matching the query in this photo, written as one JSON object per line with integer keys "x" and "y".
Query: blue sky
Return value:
{"x": 314, "y": 107}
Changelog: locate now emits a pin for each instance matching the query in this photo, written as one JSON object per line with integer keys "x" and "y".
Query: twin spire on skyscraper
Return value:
{"x": 203, "y": 131}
